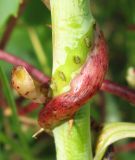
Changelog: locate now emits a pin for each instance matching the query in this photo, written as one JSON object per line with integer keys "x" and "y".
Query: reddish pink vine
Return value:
{"x": 107, "y": 85}
{"x": 123, "y": 92}
{"x": 83, "y": 87}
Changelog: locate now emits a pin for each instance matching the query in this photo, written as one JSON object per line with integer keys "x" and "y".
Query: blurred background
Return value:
{"x": 30, "y": 39}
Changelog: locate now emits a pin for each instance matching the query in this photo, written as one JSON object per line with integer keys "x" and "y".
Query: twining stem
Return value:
{"x": 118, "y": 90}
{"x": 125, "y": 147}
{"x": 107, "y": 86}
{"x": 72, "y": 27}
{"x": 28, "y": 109}
{"x": 19, "y": 62}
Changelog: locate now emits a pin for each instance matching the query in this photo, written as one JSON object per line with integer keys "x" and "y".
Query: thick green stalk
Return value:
{"x": 72, "y": 25}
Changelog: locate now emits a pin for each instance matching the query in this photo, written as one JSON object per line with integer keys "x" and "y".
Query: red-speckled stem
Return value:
{"x": 19, "y": 62}
{"x": 118, "y": 90}
{"x": 107, "y": 85}
{"x": 83, "y": 87}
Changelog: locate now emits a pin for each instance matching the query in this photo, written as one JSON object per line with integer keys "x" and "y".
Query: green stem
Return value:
{"x": 72, "y": 25}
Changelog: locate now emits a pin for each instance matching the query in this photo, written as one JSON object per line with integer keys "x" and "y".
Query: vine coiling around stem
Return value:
{"x": 82, "y": 87}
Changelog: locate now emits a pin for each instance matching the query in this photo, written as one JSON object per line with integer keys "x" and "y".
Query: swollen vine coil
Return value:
{"x": 82, "y": 87}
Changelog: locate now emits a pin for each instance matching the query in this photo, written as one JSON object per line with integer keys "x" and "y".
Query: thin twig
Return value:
{"x": 28, "y": 121}
{"x": 10, "y": 26}
{"x": 107, "y": 86}
{"x": 125, "y": 148}
{"x": 28, "y": 109}
{"x": 23, "y": 111}
{"x": 31, "y": 69}
{"x": 120, "y": 91}
{"x": 23, "y": 118}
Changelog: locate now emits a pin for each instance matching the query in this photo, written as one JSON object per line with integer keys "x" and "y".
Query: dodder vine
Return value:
{"x": 82, "y": 87}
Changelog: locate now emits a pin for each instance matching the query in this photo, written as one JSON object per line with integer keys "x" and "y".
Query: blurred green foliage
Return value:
{"x": 116, "y": 19}
{"x": 7, "y": 9}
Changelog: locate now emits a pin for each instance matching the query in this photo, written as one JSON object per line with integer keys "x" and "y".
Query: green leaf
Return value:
{"x": 8, "y": 8}
{"x": 111, "y": 133}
